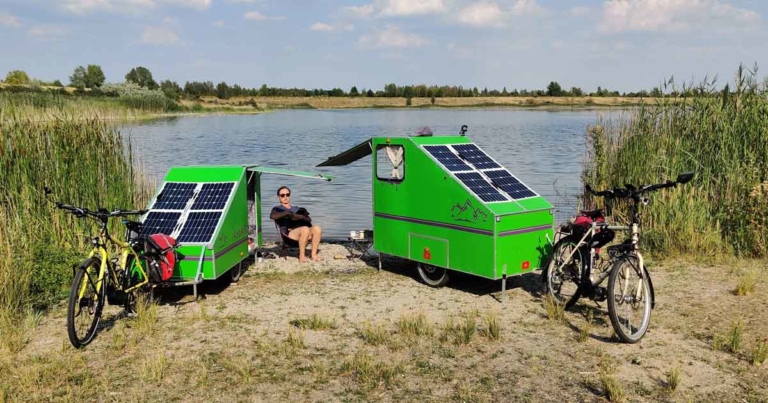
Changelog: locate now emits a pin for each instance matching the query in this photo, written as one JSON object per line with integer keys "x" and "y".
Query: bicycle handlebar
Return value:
{"x": 629, "y": 191}
{"x": 100, "y": 214}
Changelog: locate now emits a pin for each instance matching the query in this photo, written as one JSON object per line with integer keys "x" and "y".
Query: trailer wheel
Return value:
{"x": 433, "y": 276}
{"x": 236, "y": 272}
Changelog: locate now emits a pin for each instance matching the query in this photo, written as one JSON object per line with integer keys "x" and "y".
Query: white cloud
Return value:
{"x": 487, "y": 13}
{"x": 321, "y": 26}
{"x": 391, "y": 37}
{"x": 219, "y": 23}
{"x": 257, "y": 16}
{"x": 527, "y": 7}
{"x": 395, "y": 8}
{"x": 196, "y": 4}
{"x": 364, "y": 11}
{"x": 49, "y": 32}
{"x": 159, "y": 36}
{"x": 673, "y": 15}
{"x": 9, "y": 20}
{"x": 83, "y": 7}
{"x": 482, "y": 14}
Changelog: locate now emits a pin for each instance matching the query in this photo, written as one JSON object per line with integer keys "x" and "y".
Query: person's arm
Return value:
{"x": 301, "y": 217}
{"x": 277, "y": 214}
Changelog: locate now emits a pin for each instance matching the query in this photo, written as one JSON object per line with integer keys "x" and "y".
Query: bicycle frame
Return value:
{"x": 100, "y": 249}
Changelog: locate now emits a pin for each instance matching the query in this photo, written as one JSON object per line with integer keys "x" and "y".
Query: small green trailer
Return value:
{"x": 444, "y": 203}
{"x": 213, "y": 212}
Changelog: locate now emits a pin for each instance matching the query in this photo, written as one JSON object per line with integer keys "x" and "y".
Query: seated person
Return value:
{"x": 296, "y": 224}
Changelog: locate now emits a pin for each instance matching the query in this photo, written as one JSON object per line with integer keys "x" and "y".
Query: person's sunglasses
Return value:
{"x": 285, "y": 195}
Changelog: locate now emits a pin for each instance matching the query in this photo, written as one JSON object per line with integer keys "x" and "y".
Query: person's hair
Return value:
{"x": 281, "y": 188}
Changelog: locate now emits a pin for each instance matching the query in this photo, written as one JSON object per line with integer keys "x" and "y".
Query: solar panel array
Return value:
{"x": 171, "y": 213}
{"x": 480, "y": 173}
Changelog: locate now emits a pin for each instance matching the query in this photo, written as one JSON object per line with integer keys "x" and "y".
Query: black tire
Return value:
{"x": 620, "y": 307}
{"x": 83, "y": 315}
{"x": 562, "y": 285}
{"x": 130, "y": 278}
{"x": 433, "y": 276}
{"x": 236, "y": 272}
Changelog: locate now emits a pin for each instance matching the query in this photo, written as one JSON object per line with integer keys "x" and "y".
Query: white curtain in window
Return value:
{"x": 395, "y": 154}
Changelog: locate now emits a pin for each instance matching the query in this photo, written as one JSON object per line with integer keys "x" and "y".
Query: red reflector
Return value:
{"x": 526, "y": 265}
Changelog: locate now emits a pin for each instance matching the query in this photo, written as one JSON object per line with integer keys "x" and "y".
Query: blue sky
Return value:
{"x": 619, "y": 44}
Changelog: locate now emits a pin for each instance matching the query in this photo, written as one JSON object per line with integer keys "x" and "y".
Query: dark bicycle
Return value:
{"x": 576, "y": 269}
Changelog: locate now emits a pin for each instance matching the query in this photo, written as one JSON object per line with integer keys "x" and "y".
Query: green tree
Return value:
{"x": 432, "y": 100}
{"x": 370, "y": 93}
{"x": 577, "y": 92}
{"x": 171, "y": 89}
{"x": 77, "y": 79}
{"x": 94, "y": 77}
{"x": 222, "y": 90}
{"x": 57, "y": 83}
{"x": 141, "y": 76}
{"x": 353, "y": 91}
{"x": 656, "y": 92}
{"x": 17, "y": 77}
{"x": 504, "y": 92}
{"x": 264, "y": 90}
{"x": 554, "y": 89}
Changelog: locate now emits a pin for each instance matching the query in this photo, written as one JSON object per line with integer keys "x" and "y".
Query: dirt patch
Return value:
{"x": 237, "y": 342}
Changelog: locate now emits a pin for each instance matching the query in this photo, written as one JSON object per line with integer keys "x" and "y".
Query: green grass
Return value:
{"x": 370, "y": 372}
{"x": 719, "y": 134}
{"x": 759, "y": 352}
{"x": 414, "y": 326}
{"x": 374, "y": 334}
{"x": 85, "y": 163}
{"x": 673, "y": 378}
{"x": 747, "y": 283}
{"x": 314, "y": 322}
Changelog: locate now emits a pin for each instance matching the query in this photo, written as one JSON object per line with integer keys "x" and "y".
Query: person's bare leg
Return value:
{"x": 301, "y": 234}
{"x": 316, "y": 235}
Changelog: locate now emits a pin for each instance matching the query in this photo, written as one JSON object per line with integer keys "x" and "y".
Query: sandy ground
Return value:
{"x": 237, "y": 342}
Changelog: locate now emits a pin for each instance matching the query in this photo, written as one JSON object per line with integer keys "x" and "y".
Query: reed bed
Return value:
{"x": 85, "y": 163}
{"x": 722, "y": 135}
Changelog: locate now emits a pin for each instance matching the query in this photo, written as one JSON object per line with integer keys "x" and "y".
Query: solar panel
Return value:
{"x": 199, "y": 227}
{"x": 448, "y": 158}
{"x": 160, "y": 222}
{"x": 475, "y": 156}
{"x": 484, "y": 190}
{"x": 174, "y": 196}
{"x": 504, "y": 180}
{"x": 213, "y": 196}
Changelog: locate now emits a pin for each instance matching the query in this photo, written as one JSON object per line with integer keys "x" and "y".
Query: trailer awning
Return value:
{"x": 347, "y": 157}
{"x": 278, "y": 171}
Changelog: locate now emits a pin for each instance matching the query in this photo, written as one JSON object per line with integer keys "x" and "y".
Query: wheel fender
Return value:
{"x": 650, "y": 283}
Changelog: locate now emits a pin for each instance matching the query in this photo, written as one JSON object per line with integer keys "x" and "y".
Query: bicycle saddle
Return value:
{"x": 593, "y": 214}
{"x": 134, "y": 226}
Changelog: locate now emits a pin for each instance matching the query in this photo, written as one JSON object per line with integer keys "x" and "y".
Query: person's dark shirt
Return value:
{"x": 286, "y": 224}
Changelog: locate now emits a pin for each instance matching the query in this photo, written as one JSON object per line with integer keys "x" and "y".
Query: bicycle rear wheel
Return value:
{"x": 563, "y": 273}
{"x": 84, "y": 312}
{"x": 629, "y": 299}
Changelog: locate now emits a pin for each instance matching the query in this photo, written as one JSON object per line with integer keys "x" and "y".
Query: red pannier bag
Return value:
{"x": 164, "y": 247}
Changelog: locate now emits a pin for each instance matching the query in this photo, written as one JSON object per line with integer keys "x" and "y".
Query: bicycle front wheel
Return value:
{"x": 86, "y": 301}
{"x": 564, "y": 270}
{"x": 629, "y": 299}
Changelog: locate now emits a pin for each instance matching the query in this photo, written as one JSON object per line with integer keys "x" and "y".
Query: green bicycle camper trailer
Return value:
{"x": 213, "y": 212}
{"x": 444, "y": 203}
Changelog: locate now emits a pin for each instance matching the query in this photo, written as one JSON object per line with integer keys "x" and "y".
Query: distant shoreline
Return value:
{"x": 324, "y": 102}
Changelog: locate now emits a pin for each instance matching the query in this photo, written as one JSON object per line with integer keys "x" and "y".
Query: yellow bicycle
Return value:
{"x": 101, "y": 278}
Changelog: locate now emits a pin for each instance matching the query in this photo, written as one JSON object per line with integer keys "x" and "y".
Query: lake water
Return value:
{"x": 543, "y": 148}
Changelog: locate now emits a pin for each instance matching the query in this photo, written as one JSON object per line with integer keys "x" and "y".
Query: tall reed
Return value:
{"x": 722, "y": 135}
{"x": 85, "y": 163}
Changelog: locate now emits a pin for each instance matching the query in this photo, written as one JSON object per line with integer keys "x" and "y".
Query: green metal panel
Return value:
{"x": 432, "y": 140}
{"x": 522, "y": 238}
{"x": 428, "y": 249}
{"x": 205, "y": 173}
{"x": 230, "y": 242}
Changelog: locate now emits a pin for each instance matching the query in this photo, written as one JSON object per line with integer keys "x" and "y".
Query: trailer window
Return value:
{"x": 390, "y": 163}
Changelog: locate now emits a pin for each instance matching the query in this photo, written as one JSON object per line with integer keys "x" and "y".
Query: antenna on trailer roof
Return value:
{"x": 463, "y": 130}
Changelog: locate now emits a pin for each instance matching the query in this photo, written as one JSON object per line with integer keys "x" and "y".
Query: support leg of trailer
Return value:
{"x": 379, "y": 261}
{"x": 194, "y": 290}
{"x": 504, "y": 286}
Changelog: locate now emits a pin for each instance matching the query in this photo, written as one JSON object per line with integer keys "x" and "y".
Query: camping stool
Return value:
{"x": 285, "y": 242}
{"x": 361, "y": 245}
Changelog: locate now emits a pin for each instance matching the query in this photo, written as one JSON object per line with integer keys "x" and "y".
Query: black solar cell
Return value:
{"x": 477, "y": 184}
{"x": 213, "y": 196}
{"x": 199, "y": 227}
{"x": 174, "y": 196}
{"x": 448, "y": 158}
{"x": 475, "y": 156}
{"x": 160, "y": 222}
{"x": 504, "y": 180}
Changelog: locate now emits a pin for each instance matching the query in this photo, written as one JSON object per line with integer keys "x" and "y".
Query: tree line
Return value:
{"x": 92, "y": 77}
